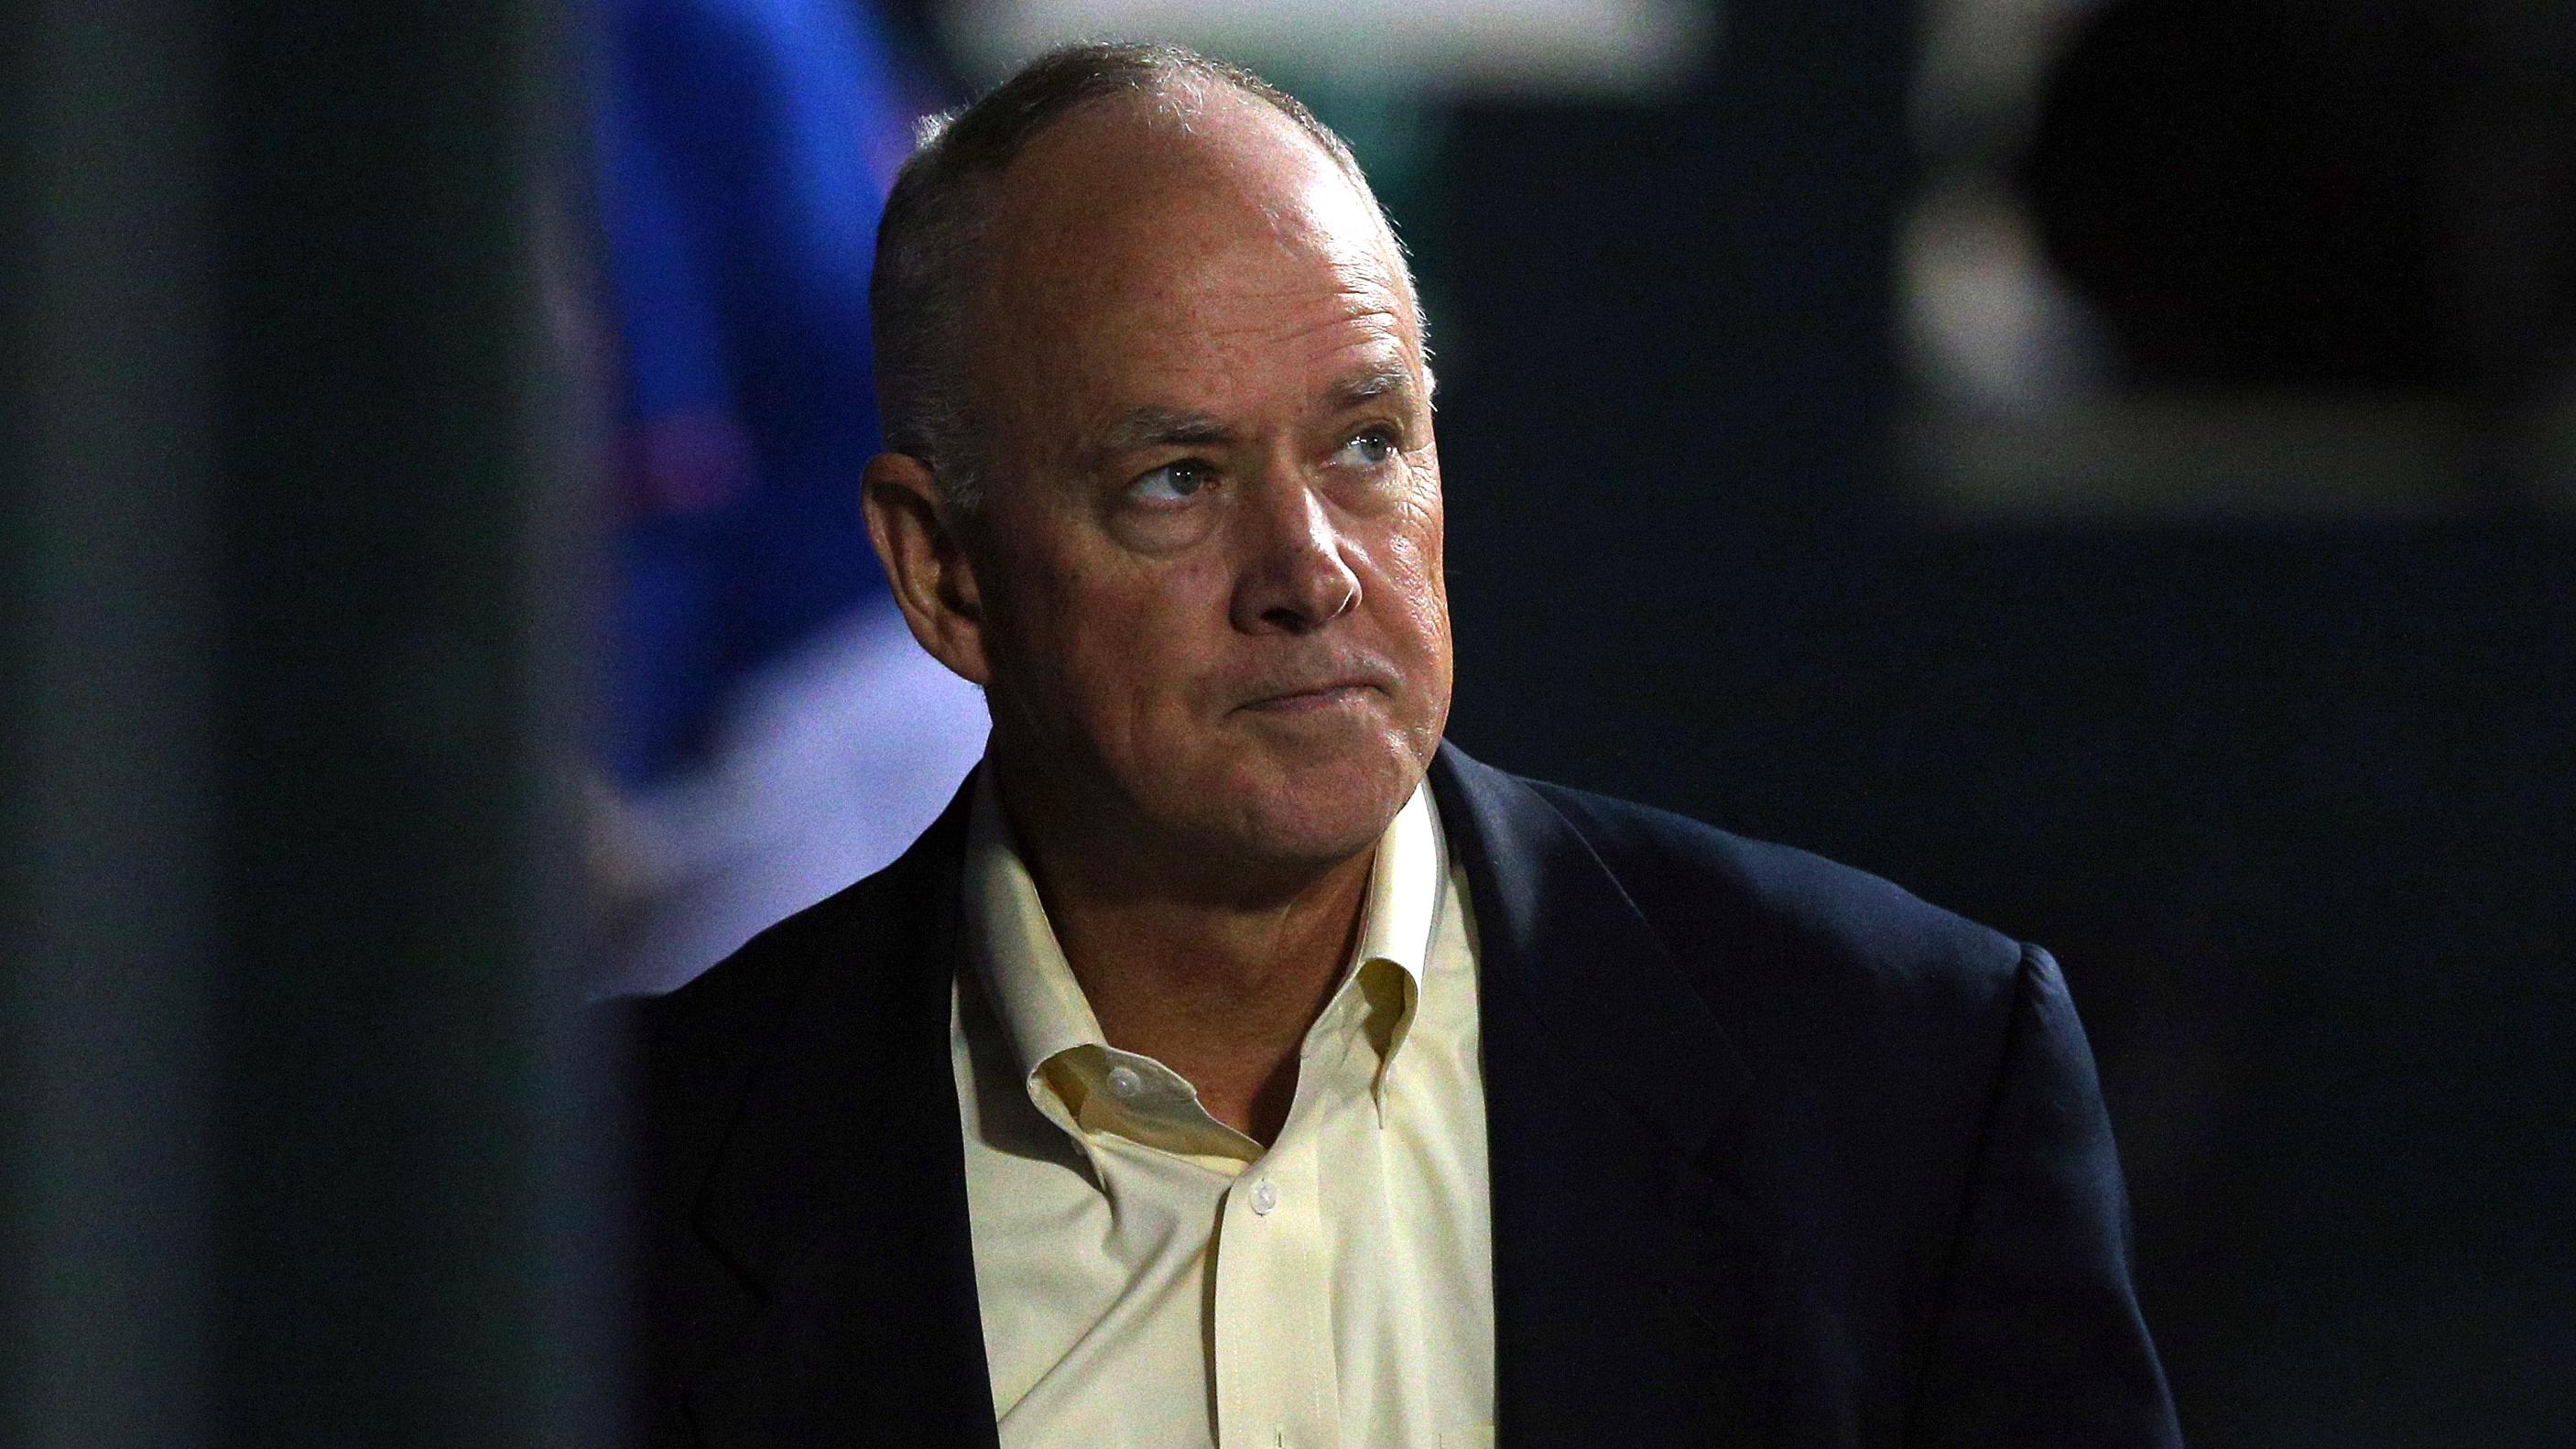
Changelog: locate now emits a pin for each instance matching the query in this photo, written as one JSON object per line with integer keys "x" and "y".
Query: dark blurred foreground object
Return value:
{"x": 290, "y": 1134}
{"x": 2304, "y": 193}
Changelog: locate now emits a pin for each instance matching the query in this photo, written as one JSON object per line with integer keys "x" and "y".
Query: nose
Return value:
{"x": 1294, "y": 579}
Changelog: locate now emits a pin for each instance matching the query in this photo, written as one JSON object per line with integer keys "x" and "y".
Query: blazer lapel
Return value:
{"x": 1631, "y": 1272}
{"x": 841, "y": 1193}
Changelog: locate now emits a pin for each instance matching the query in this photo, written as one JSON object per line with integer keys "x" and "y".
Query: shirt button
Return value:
{"x": 1124, "y": 1083}
{"x": 1264, "y": 1197}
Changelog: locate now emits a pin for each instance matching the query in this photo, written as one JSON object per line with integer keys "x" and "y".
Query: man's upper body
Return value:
{"x": 1779, "y": 1155}
{"x": 1236, "y": 1064}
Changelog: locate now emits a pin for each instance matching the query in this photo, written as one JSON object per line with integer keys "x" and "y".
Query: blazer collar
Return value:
{"x": 1559, "y": 935}
{"x": 1634, "y": 1278}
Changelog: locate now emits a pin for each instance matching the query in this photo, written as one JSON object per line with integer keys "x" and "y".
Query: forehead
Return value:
{"x": 1195, "y": 242}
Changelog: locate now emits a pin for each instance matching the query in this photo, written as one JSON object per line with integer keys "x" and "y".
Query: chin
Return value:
{"x": 1318, "y": 808}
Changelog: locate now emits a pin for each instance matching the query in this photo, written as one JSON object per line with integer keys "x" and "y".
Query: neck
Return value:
{"x": 1215, "y": 969}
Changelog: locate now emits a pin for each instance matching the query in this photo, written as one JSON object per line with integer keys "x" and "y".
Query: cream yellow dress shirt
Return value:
{"x": 1152, "y": 1279}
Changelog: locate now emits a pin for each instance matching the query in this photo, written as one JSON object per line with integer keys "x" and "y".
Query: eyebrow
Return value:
{"x": 1361, "y": 389}
{"x": 1151, "y": 426}
{"x": 1159, "y": 427}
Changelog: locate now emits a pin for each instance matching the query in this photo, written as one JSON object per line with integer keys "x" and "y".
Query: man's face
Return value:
{"x": 1209, "y": 559}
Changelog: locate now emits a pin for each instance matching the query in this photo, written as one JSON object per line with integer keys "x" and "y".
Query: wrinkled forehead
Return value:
{"x": 1169, "y": 216}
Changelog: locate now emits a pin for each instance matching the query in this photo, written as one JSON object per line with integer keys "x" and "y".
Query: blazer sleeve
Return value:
{"x": 2037, "y": 1339}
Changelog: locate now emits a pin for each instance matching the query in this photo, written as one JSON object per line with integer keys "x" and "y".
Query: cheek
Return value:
{"x": 1128, "y": 641}
{"x": 1043, "y": 633}
{"x": 1414, "y": 572}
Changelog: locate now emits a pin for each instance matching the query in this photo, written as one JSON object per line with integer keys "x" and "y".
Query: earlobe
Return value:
{"x": 925, "y": 563}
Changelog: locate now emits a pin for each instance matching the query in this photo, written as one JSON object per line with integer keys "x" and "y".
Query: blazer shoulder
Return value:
{"x": 1700, "y": 886}
{"x": 729, "y": 1006}
{"x": 691, "y": 1053}
{"x": 730, "y": 1003}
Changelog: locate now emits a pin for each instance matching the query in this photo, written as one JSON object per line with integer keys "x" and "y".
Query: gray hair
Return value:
{"x": 931, "y": 233}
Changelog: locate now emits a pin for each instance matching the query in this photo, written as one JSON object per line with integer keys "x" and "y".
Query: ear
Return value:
{"x": 925, "y": 561}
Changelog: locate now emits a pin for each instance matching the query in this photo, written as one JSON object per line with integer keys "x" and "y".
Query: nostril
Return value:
{"x": 1297, "y": 574}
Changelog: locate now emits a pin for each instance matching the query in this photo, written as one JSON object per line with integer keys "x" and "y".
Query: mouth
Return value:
{"x": 1343, "y": 683}
{"x": 1338, "y": 694}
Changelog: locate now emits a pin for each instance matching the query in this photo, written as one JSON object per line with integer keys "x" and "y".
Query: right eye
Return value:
{"x": 1173, "y": 482}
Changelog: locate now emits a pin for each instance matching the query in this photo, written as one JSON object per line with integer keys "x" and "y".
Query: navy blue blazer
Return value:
{"x": 1781, "y": 1156}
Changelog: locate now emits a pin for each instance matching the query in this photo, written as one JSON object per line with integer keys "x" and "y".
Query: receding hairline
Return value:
{"x": 935, "y": 247}
{"x": 1122, "y": 160}
{"x": 1198, "y": 108}
{"x": 1000, "y": 127}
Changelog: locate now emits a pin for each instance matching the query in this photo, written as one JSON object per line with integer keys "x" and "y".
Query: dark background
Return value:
{"x": 2294, "y": 799}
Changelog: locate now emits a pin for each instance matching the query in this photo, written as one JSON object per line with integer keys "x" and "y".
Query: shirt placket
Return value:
{"x": 1277, "y": 1381}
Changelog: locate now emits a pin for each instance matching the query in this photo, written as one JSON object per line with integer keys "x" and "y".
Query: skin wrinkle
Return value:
{"x": 1201, "y": 843}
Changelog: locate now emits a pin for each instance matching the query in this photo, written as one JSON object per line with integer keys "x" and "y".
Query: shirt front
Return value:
{"x": 1150, "y": 1277}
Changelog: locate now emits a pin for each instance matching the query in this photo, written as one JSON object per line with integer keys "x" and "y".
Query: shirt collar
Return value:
{"x": 1043, "y": 1009}
{"x": 1014, "y": 945}
{"x": 1406, "y": 885}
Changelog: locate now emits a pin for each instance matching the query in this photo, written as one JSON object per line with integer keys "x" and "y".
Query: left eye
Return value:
{"x": 1368, "y": 449}
{"x": 1170, "y": 483}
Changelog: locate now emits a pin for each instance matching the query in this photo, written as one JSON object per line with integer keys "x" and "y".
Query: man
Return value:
{"x": 1236, "y": 1064}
